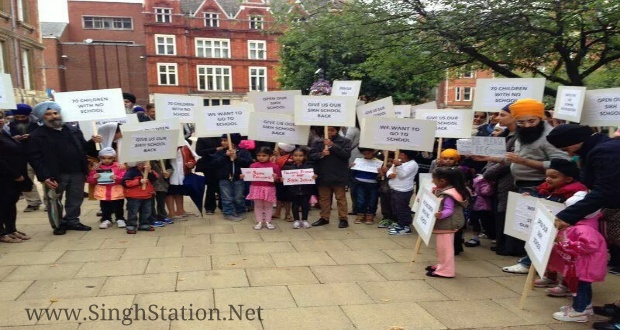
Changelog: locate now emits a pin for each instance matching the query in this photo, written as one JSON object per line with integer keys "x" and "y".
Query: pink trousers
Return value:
{"x": 445, "y": 255}
{"x": 263, "y": 210}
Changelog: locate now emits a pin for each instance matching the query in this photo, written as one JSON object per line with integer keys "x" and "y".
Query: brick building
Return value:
{"x": 21, "y": 48}
{"x": 219, "y": 49}
{"x": 458, "y": 89}
{"x": 102, "y": 46}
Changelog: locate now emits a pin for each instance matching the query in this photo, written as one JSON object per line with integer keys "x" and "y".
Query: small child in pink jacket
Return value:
{"x": 108, "y": 190}
{"x": 482, "y": 212}
{"x": 580, "y": 254}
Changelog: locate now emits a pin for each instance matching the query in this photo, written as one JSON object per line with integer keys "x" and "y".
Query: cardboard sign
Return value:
{"x": 521, "y": 211}
{"x": 325, "y": 110}
{"x": 91, "y": 105}
{"x": 273, "y": 127}
{"x": 540, "y": 241}
{"x": 367, "y": 165}
{"x": 137, "y": 146}
{"x": 569, "y": 103}
{"x": 391, "y": 134}
{"x": 494, "y": 94}
{"x": 601, "y": 107}
{"x": 294, "y": 177}
{"x": 282, "y": 102}
{"x": 346, "y": 88}
{"x": 87, "y": 127}
{"x": 482, "y": 146}
{"x": 402, "y": 111}
{"x": 426, "y": 182}
{"x": 157, "y": 125}
{"x": 450, "y": 123}
{"x": 257, "y": 174}
{"x": 381, "y": 108}
{"x": 216, "y": 121}
{"x": 7, "y": 95}
{"x": 424, "y": 220}
{"x": 181, "y": 107}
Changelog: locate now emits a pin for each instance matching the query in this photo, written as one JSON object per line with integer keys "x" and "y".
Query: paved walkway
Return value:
{"x": 320, "y": 278}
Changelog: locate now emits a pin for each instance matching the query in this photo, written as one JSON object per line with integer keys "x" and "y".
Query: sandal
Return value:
{"x": 21, "y": 235}
{"x": 9, "y": 239}
{"x": 289, "y": 218}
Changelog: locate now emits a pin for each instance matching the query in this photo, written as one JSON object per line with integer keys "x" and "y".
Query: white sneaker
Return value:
{"x": 570, "y": 315}
{"x": 121, "y": 223}
{"x": 270, "y": 226}
{"x": 306, "y": 224}
{"x": 258, "y": 226}
{"x": 105, "y": 224}
{"x": 296, "y": 224}
{"x": 589, "y": 310}
{"x": 516, "y": 269}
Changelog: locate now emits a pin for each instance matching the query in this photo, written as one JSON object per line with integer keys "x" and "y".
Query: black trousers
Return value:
{"x": 158, "y": 206}
{"x": 8, "y": 211}
{"x": 483, "y": 220}
{"x": 116, "y": 207}
{"x": 303, "y": 202}
{"x": 212, "y": 193}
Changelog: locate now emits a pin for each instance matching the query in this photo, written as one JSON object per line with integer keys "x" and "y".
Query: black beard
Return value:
{"x": 528, "y": 135}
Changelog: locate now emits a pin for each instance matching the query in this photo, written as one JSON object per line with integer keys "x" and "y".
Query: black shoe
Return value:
{"x": 472, "y": 243}
{"x": 609, "y": 310}
{"x": 59, "y": 231}
{"x": 320, "y": 222}
{"x": 343, "y": 224}
{"x": 506, "y": 253}
{"x": 77, "y": 227}
{"x": 497, "y": 248}
{"x": 99, "y": 213}
{"x": 430, "y": 268}
{"x": 432, "y": 274}
{"x": 606, "y": 325}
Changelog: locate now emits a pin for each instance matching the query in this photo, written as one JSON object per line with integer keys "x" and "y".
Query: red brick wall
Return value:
{"x": 77, "y": 9}
{"x": 456, "y": 80}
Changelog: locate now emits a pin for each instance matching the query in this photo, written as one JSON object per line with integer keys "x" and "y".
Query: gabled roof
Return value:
{"x": 52, "y": 29}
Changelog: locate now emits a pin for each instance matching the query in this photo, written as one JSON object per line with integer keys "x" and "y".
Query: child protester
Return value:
{"x": 229, "y": 162}
{"x": 181, "y": 166}
{"x": 300, "y": 193}
{"x": 283, "y": 157}
{"x": 580, "y": 254}
{"x": 108, "y": 189}
{"x": 159, "y": 216}
{"x": 139, "y": 198}
{"x": 366, "y": 190}
{"x": 482, "y": 210}
{"x": 263, "y": 193}
{"x": 385, "y": 195}
{"x": 451, "y": 189}
{"x": 401, "y": 180}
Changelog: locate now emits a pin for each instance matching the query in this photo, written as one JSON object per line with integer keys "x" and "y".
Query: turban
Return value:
{"x": 129, "y": 97}
{"x": 22, "y": 109}
{"x": 107, "y": 152}
{"x": 565, "y": 167}
{"x": 569, "y": 134}
{"x": 527, "y": 107}
{"x": 450, "y": 153}
{"x": 40, "y": 109}
{"x": 286, "y": 147}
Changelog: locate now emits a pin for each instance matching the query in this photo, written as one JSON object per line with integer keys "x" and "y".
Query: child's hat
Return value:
{"x": 286, "y": 147}
{"x": 452, "y": 153}
{"x": 565, "y": 167}
{"x": 107, "y": 152}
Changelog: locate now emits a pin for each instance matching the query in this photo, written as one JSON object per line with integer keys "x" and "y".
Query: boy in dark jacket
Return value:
{"x": 229, "y": 163}
{"x": 332, "y": 169}
{"x": 139, "y": 192}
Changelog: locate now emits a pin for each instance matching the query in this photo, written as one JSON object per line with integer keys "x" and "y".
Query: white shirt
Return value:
{"x": 405, "y": 175}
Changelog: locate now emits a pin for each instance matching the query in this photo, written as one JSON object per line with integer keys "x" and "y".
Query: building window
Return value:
{"x": 214, "y": 78}
{"x": 457, "y": 93}
{"x": 107, "y": 23}
{"x": 256, "y": 22}
{"x": 165, "y": 44}
{"x": 257, "y": 49}
{"x": 215, "y": 102}
{"x": 167, "y": 74}
{"x": 212, "y": 19}
{"x": 27, "y": 73}
{"x": 2, "y": 57}
{"x": 163, "y": 15}
{"x": 467, "y": 93}
{"x": 258, "y": 79}
{"x": 214, "y": 48}
{"x": 468, "y": 74}
{"x": 23, "y": 12}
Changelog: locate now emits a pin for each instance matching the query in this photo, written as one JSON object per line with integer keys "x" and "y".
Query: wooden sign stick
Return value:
{"x": 529, "y": 282}
{"x": 163, "y": 165}
{"x": 230, "y": 147}
{"x": 97, "y": 144}
{"x": 325, "y": 136}
{"x": 439, "y": 147}
{"x": 145, "y": 175}
{"x": 416, "y": 251}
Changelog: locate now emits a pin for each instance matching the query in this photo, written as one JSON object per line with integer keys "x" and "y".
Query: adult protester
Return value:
{"x": 57, "y": 154}
{"x": 13, "y": 181}
{"x": 353, "y": 134}
{"x": 22, "y": 125}
{"x": 206, "y": 148}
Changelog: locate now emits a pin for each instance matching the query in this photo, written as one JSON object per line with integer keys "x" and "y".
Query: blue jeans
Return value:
{"x": 141, "y": 207}
{"x": 233, "y": 197}
{"x": 366, "y": 197}
{"x": 525, "y": 261}
{"x": 583, "y": 297}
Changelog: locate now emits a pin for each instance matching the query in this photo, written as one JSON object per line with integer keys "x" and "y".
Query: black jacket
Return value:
{"x": 227, "y": 169}
{"x": 600, "y": 172}
{"x": 332, "y": 170}
{"x": 44, "y": 155}
{"x": 206, "y": 148}
{"x": 12, "y": 166}
{"x": 299, "y": 189}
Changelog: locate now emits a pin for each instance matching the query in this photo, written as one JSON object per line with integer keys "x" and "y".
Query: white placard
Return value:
{"x": 273, "y": 127}
{"x": 367, "y": 165}
{"x": 157, "y": 125}
{"x": 91, "y": 105}
{"x": 87, "y": 127}
{"x": 569, "y": 103}
{"x": 541, "y": 240}
{"x": 424, "y": 220}
{"x": 216, "y": 121}
{"x": 181, "y": 107}
{"x": 426, "y": 182}
{"x": 137, "y": 146}
{"x": 402, "y": 111}
{"x": 282, "y": 102}
{"x": 7, "y": 95}
{"x": 381, "y": 108}
{"x": 325, "y": 110}
{"x": 263, "y": 174}
{"x": 295, "y": 177}
{"x": 482, "y": 146}
{"x": 393, "y": 133}
{"x": 493, "y": 94}
{"x": 450, "y": 123}
{"x": 346, "y": 88}
{"x": 601, "y": 107}
{"x": 521, "y": 211}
